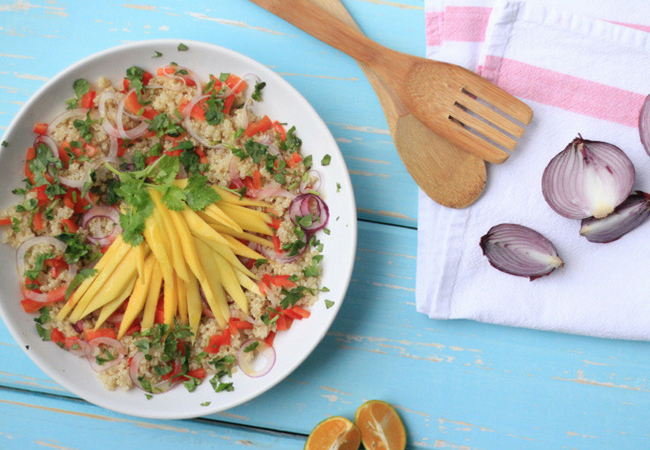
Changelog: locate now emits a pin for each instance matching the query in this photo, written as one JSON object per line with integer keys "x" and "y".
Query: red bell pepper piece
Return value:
{"x": 87, "y": 100}
{"x": 37, "y": 221}
{"x": 90, "y": 334}
{"x": 5, "y": 221}
{"x": 40, "y": 128}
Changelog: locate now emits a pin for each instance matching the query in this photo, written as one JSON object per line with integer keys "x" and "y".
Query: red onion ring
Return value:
{"x": 23, "y": 248}
{"x": 78, "y": 112}
{"x": 306, "y": 204}
{"x": 51, "y": 144}
{"x": 109, "y": 342}
{"x": 264, "y": 350}
{"x": 228, "y": 92}
{"x": 83, "y": 350}
{"x": 98, "y": 212}
{"x": 159, "y": 388}
{"x": 644, "y": 125}
{"x": 519, "y": 250}
{"x": 587, "y": 178}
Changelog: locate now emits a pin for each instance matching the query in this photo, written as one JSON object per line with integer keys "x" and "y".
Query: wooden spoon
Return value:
{"x": 447, "y": 174}
{"x": 452, "y": 101}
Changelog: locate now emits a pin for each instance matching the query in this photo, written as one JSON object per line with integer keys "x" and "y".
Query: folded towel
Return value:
{"x": 581, "y": 75}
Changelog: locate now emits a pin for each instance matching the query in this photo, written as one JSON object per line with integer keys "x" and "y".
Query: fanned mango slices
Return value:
{"x": 184, "y": 253}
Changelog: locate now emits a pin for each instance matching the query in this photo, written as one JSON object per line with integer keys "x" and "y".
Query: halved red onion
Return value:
{"x": 68, "y": 114}
{"x": 304, "y": 185}
{"x": 519, "y": 250}
{"x": 644, "y": 124}
{"x": 626, "y": 217}
{"x": 159, "y": 388}
{"x": 306, "y": 204}
{"x": 98, "y": 212}
{"x": 588, "y": 178}
{"x": 257, "y": 362}
{"x": 107, "y": 342}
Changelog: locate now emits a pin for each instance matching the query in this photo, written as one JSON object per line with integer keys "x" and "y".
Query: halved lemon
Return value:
{"x": 380, "y": 425}
{"x": 334, "y": 433}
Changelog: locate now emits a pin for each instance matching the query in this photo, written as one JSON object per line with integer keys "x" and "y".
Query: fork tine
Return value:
{"x": 485, "y": 129}
{"x": 490, "y": 115}
{"x": 464, "y": 138}
{"x": 499, "y": 98}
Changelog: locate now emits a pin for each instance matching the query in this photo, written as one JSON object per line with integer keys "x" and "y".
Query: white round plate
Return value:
{"x": 281, "y": 102}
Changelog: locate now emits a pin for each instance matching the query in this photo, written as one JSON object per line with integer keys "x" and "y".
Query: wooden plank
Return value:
{"x": 330, "y": 80}
{"x": 41, "y": 421}
{"x": 455, "y": 383}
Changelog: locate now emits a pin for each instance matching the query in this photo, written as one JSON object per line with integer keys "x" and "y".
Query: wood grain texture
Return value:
{"x": 456, "y": 384}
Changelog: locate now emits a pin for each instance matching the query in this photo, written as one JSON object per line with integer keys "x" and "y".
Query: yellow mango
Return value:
{"x": 170, "y": 299}
{"x": 218, "y": 216}
{"x": 247, "y": 283}
{"x": 154, "y": 236}
{"x": 153, "y": 293}
{"x": 229, "y": 197}
{"x": 217, "y": 297}
{"x": 199, "y": 228}
{"x": 112, "y": 306}
{"x": 182, "y": 300}
{"x": 230, "y": 282}
{"x": 245, "y": 219}
{"x": 173, "y": 246}
{"x": 228, "y": 254}
{"x": 138, "y": 297}
{"x": 105, "y": 266}
{"x": 241, "y": 249}
{"x": 245, "y": 236}
{"x": 194, "y": 304}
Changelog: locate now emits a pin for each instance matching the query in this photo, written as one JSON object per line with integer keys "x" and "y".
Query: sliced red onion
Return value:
{"x": 644, "y": 124}
{"x": 588, "y": 178}
{"x": 283, "y": 258}
{"x": 520, "y": 251}
{"x": 112, "y": 151}
{"x": 80, "y": 348}
{"x": 68, "y": 114}
{"x": 159, "y": 388}
{"x": 272, "y": 189}
{"x": 250, "y": 362}
{"x": 228, "y": 92}
{"x": 98, "y": 212}
{"x": 626, "y": 217}
{"x": 187, "y": 122}
{"x": 108, "y": 342}
{"x": 304, "y": 185}
{"x": 306, "y": 204}
{"x": 234, "y": 172}
{"x": 23, "y": 248}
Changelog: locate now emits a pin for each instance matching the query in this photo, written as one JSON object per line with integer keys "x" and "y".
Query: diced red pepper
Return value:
{"x": 298, "y": 312}
{"x": 280, "y": 129}
{"x": 31, "y": 306}
{"x": 40, "y": 128}
{"x": 262, "y": 287}
{"x": 41, "y": 196}
{"x": 160, "y": 316}
{"x": 270, "y": 338}
{"x": 132, "y": 105}
{"x": 151, "y": 159}
{"x": 198, "y": 111}
{"x": 70, "y": 225}
{"x": 133, "y": 329}
{"x": 217, "y": 85}
{"x": 197, "y": 373}
{"x": 232, "y": 81}
{"x": 226, "y": 334}
{"x": 277, "y": 244}
{"x": 146, "y": 77}
{"x": 57, "y": 337}
{"x": 275, "y": 223}
{"x": 31, "y": 154}
{"x": 227, "y": 104}
{"x": 37, "y": 221}
{"x": 294, "y": 160}
{"x": 87, "y": 100}
{"x": 283, "y": 281}
{"x": 262, "y": 125}
{"x": 90, "y": 334}
{"x": 257, "y": 179}
{"x": 214, "y": 344}
{"x": 67, "y": 199}
{"x": 5, "y": 221}
{"x": 284, "y": 322}
{"x": 57, "y": 261}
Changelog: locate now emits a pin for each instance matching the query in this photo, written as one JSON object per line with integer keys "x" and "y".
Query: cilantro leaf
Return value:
{"x": 329, "y": 304}
{"x": 182, "y": 47}
{"x": 78, "y": 279}
{"x": 326, "y": 160}
{"x": 174, "y": 198}
{"x": 84, "y": 127}
{"x": 257, "y": 95}
{"x": 198, "y": 194}
{"x": 77, "y": 249}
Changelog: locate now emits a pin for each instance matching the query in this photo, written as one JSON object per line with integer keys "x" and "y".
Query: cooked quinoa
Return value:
{"x": 226, "y": 145}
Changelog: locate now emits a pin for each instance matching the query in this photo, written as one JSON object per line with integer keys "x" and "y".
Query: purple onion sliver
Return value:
{"x": 587, "y": 178}
{"x": 644, "y": 124}
{"x": 630, "y": 214}
{"x": 520, "y": 251}
{"x": 306, "y": 204}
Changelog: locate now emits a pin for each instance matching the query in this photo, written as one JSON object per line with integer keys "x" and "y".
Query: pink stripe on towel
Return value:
{"x": 465, "y": 23}
{"x": 568, "y": 92}
{"x": 433, "y": 27}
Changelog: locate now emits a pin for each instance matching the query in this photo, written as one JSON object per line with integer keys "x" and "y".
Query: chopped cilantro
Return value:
{"x": 292, "y": 296}
{"x": 239, "y": 132}
{"x": 157, "y": 55}
{"x": 251, "y": 347}
{"x": 77, "y": 249}
{"x": 338, "y": 187}
{"x": 84, "y": 127}
{"x": 261, "y": 261}
{"x": 39, "y": 265}
{"x": 255, "y": 150}
{"x": 4, "y": 143}
{"x": 329, "y": 304}
{"x": 205, "y": 403}
{"x": 257, "y": 95}
{"x": 198, "y": 194}
{"x": 182, "y": 47}
{"x": 307, "y": 161}
{"x": 292, "y": 141}
{"x": 214, "y": 114}
{"x": 326, "y": 160}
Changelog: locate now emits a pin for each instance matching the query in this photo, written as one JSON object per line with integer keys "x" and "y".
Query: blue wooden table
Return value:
{"x": 457, "y": 384}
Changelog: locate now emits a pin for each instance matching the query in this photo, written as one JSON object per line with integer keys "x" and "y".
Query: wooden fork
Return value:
{"x": 454, "y": 102}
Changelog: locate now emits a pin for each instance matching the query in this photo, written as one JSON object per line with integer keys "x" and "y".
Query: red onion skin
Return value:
{"x": 627, "y": 216}
{"x": 578, "y": 178}
{"x": 644, "y": 125}
{"x": 508, "y": 247}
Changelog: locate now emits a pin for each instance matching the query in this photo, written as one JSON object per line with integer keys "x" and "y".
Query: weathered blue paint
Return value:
{"x": 457, "y": 384}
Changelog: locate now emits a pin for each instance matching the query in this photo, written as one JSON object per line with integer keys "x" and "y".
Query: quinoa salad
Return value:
{"x": 165, "y": 232}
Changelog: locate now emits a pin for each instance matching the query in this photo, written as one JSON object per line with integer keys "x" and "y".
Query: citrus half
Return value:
{"x": 334, "y": 433}
{"x": 380, "y": 425}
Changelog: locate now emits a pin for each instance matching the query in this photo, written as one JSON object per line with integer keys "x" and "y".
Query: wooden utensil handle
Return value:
{"x": 311, "y": 20}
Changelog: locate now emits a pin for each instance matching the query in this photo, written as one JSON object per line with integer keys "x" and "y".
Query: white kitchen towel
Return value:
{"x": 580, "y": 75}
